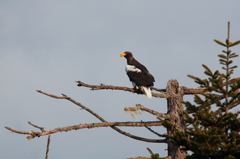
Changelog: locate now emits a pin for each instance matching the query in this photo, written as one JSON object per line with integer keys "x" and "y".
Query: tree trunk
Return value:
{"x": 175, "y": 110}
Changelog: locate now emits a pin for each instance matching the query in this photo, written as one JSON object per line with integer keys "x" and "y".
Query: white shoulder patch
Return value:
{"x": 132, "y": 69}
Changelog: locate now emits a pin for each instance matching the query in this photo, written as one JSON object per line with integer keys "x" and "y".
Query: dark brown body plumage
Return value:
{"x": 137, "y": 72}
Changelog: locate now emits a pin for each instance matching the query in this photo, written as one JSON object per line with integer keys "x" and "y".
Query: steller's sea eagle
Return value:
{"x": 138, "y": 74}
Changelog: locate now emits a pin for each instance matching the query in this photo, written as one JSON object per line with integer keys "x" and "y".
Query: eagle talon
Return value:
{"x": 136, "y": 89}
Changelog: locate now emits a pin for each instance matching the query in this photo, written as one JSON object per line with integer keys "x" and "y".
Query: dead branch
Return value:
{"x": 96, "y": 115}
{"x": 155, "y": 132}
{"x": 175, "y": 110}
{"x": 103, "y": 86}
{"x": 48, "y": 143}
{"x": 199, "y": 90}
{"x": 38, "y": 127}
{"x": 153, "y": 112}
{"x": 22, "y": 132}
{"x": 138, "y": 107}
{"x": 191, "y": 91}
{"x": 158, "y": 90}
{"x": 89, "y": 126}
{"x": 187, "y": 91}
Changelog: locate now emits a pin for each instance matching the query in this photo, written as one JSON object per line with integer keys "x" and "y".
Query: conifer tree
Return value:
{"x": 213, "y": 127}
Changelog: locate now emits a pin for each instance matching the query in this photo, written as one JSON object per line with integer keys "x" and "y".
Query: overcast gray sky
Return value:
{"x": 50, "y": 44}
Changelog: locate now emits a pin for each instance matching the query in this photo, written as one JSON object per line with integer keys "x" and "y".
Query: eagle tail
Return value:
{"x": 147, "y": 91}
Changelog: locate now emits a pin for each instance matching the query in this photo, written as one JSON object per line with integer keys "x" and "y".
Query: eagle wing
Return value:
{"x": 139, "y": 75}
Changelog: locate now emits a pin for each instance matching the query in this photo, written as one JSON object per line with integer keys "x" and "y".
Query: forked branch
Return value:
{"x": 89, "y": 126}
{"x": 103, "y": 86}
{"x": 112, "y": 125}
{"x": 139, "y": 107}
{"x": 187, "y": 91}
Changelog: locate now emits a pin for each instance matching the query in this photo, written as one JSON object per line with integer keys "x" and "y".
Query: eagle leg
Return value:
{"x": 136, "y": 89}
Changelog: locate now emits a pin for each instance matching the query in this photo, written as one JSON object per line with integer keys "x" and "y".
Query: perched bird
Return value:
{"x": 138, "y": 74}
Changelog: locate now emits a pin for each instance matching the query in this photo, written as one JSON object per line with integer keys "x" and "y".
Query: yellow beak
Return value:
{"x": 122, "y": 54}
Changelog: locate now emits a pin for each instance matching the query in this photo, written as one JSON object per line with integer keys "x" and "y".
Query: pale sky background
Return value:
{"x": 50, "y": 44}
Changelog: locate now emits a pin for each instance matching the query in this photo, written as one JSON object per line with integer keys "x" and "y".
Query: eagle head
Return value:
{"x": 127, "y": 54}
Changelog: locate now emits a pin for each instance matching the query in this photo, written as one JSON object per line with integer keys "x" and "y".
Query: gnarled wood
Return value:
{"x": 175, "y": 111}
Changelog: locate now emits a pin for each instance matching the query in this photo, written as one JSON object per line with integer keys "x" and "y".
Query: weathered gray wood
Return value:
{"x": 175, "y": 111}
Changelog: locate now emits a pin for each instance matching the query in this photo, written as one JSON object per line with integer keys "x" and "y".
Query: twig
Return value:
{"x": 51, "y": 95}
{"x": 32, "y": 133}
{"x": 153, "y": 111}
{"x": 38, "y": 127}
{"x": 141, "y": 107}
{"x": 48, "y": 143}
{"x": 155, "y": 132}
{"x": 20, "y": 132}
{"x": 103, "y": 86}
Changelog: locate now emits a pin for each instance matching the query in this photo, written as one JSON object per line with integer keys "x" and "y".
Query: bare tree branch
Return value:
{"x": 92, "y": 125}
{"x": 103, "y": 86}
{"x": 48, "y": 143}
{"x": 138, "y": 107}
{"x": 159, "y": 90}
{"x": 51, "y": 95}
{"x": 99, "y": 117}
{"x": 38, "y": 127}
{"x": 22, "y": 132}
{"x": 187, "y": 91}
{"x": 155, "y": 132}
{"x": 191, "y": 91}
{"x": 198, "y": 90}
